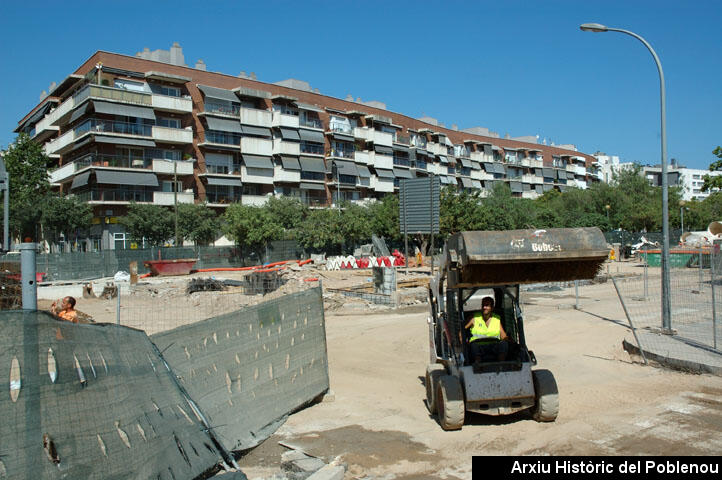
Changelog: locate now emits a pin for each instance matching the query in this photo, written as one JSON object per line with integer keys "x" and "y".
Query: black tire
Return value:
{"x": 450, "y": 403}
{"x": 546, "y": 396}
{"x": 433, "y": 372}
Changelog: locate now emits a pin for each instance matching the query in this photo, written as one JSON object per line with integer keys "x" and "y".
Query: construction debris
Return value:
{"x": 204, "y": 285}
{"x": 110, "y": 290}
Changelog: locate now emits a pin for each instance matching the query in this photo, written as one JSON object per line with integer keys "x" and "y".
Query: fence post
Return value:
{"x": 117, "y": 307}
{"x": 712, "y": 253}
{"x": 646, "y": 278}
{"x": 629, "y": 319}
{"x": 576, "y": 294}
{"x": 700, "y": 269}
{"x": 28, "y": 276}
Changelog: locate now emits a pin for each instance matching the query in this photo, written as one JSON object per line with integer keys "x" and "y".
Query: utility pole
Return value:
{"x": 175, "y": 199}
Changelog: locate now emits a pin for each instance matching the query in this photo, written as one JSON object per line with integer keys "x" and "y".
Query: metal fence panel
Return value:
{"x": 248, "y": 369}
{"x": 99, "y": 398}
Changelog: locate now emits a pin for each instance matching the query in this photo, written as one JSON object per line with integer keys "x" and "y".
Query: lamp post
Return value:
{"x": 607, "y": 207}
{"x": 666, "y": 304}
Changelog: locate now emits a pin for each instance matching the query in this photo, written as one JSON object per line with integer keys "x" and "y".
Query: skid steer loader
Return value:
{"x": 479, "y": 264}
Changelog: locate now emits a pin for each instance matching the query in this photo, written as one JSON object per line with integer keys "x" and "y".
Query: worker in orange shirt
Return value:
{"x": 67, "y": 310}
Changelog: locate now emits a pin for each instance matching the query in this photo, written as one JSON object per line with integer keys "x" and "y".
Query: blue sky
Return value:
{"x": 516, "y": 67}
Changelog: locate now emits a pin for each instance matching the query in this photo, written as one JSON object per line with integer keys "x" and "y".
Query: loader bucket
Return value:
{"x": 524, "y": 256}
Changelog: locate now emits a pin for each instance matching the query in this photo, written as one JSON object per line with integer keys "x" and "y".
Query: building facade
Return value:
{"x": 124, "y": 129}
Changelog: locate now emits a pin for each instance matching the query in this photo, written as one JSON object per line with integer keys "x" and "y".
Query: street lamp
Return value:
{"x": 666, "y": 304}
{"x": 607, "y": 207}
{"x": 682, "y": 203}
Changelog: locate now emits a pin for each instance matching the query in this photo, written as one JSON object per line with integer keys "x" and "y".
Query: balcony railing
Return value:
{"x": 312, "y": 148}
{"x": 310, "y": 122}
{"x": 421, "y": 165}
{"x": 116, "y": 194}
{"x": 342, "y": 153}
{"x": 226, "y": 138}
{"x": 110, "y": 93}
{"x": 115, "y": 161}
{"x": 224, "y": 109}
{"x": 319, "y": 176}
{"x": 110, "y": 126}
{"x": 401, "y": 161}
{"x": 402, "y": 139}
{"x": 335, "y": 127}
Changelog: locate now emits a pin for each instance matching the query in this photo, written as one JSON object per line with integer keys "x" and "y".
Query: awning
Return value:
{"x": 80, "y": 180}
{"x": 421, "y": 151}
{"x": 224, "y": 125}
{"x": 475, "y": 165}
{"x": 310, "y": 108}
{"x": 258, "y": 131}
{"x": 465, "y": 163}
{"x": 539, "y": 188}
{"x": 290, "y": 163}
{"x": 547, "y": 187}
{"x": 516, "y": 187}
{"x": 476, "y": 184}
{"x": 548, "y": 173}
{"x": 383, "y": 150}
{"x": 257, "y": 161}
{"x": 311, "y": 186}
{"x": 403, "y": 173}
{"x": 450, "y": 180}
{"x": 383, "y": 173}
{"x": 562, "y": 174}
{"x": 35, "y": 117}
{"x": 526, "y": 187}
{"x": 570, "y": 175}
{"x": 345, "y": 168}
{"x": 310, "y": 164}
{"x": 218, "y": 93}
{"x": 344, "y": 137}
{"x": 289, "y": 134}
{"x": 123, "y": 110}
{"x": 443, "y": 159}
{"x": 466, "y": 182}
{"x": 136, "y": 142}
{"x": 79, "y": 112}
{"x": 363, "y": 171}
{"x": 311, "y": 136}
{"x": 141, "y": 179}
{"x": 224, "y": 181}
{"x": 495, "y": 168}
{"x": 401, "y": 148}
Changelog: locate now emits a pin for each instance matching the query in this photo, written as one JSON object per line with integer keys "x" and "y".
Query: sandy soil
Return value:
{"x": 378, "y": 423}
{"x": 610, "y": 404}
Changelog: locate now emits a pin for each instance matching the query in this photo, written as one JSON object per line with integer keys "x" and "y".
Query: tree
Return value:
{"x": 152, "y": 222}
{"x": 64, "y": 215}
{"x": 716, "y": 181}
{"x": 288, "y": 212}
{"x": 384, "y": 217}
{"x": 251, "y": 226}
{"x": 27, "y": 166}
{"x": 460, "y": 211}
{"x": 322, "y": 229}
{"x": 197, "y": 223}
{"x": 355, "y": 223}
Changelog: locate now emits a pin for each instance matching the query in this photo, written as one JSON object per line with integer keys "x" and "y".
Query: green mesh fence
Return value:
{"x": 92, "y": 401}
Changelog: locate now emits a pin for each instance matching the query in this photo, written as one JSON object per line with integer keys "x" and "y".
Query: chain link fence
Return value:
{"x": 696, "y": 303}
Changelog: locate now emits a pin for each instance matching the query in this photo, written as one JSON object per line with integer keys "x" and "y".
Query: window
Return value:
{"x": 339, "y": 124}
{"x": 170, "y": 91}
{"x": 119, "y": 241}
{"x": 168, "y": 186}
{"x": 342, "y": 149}
{"x": 310, "y": 119}
{"x": 169, "y": 122}
{"x": 285, "y": 109}
{"x": 312, "y": 147}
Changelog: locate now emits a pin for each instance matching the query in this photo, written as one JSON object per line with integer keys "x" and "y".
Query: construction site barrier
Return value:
{"x": 93, "y": 401}
{"x": 248, "y": 369}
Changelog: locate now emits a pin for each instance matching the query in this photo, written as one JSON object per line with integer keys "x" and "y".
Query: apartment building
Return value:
{"x": 690, "y": 180}
{"x": 127, "y": 129}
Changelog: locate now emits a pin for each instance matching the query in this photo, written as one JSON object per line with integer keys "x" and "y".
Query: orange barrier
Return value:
{"x": 314, "y": 279}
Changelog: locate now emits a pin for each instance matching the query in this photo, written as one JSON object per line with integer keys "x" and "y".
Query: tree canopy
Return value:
{"x": 152, "y": 222}
{"x": 198, "y": 223}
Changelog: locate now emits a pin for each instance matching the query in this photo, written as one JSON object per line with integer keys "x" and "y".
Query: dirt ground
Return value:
{"x": 378, "y": 424}
{"x": 610, "y": 404}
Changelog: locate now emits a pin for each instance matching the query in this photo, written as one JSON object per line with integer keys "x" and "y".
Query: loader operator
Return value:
{"x": 486, "y": 343}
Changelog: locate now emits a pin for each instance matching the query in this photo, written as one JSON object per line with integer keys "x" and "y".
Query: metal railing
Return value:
{"x": 312, "y": 148}
{"x": 111, "y": 126}
{"x": 111, "y": 93}
{"x": 225, "y": 138}
{"x": 224, "y": 109}
{"x": 116, "y": 194}
{"x": 310, "y": 122}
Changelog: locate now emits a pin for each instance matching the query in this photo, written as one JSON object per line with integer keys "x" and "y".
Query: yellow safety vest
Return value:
{"x": 480, "y": 331}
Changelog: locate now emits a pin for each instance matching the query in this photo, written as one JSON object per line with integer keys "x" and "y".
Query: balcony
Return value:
{"x": 310, "y": 123}
{"x": 182, "y": 167}
{"x": 254, "y": 200}
{"x": 117, "y": 195}
{"x": 570, "y": 167}
{"x": 382, "y": 184}
{"x": 225, "y": 109}
{"x": 310, "y": 148}
{"x": 362, "y": 157}
{"x": 529, "y": 194}
{"x": 263, "y": 176}
{"x": 95, "y": 125}
{"x": 59, "y": 144}
{"x": 528, "y": 178}
{"x": 255, "y": 117}
{"x": 582, "y": 184}
{"x": 43, "y": 129}
{"x": 168, "y": 198}
{"x": 381, "y": 161}
{"x": 172, "y": 135}
{"x": 363, "y": 133}
{"x": 115, "y": 94}
{"x": 60, "y": 174}
{"x": 438, "y": 149}
{"x": 402, "y": 139}
{"x": 401, "y": 161}
{"x": 526, "y": 162}
{"x": 283, "y": 120}
{"x": 537, "y": 163}
{"x": 341, "y": 153}
{"x": 383, "y": 138}
{"x": 286, "y": 148}
{"x": 172, "y": 104}
{"x": 580, "y": 170}
{"x": 280, "y": 174}
{"x": 54, "y": 118}
{"x": 257, "y": 146}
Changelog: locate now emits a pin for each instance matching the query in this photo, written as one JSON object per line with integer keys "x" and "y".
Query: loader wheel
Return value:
{"x": 546, "y": 396}
{"x": 433, "y": 372}
{"x": 450, "y": 403}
